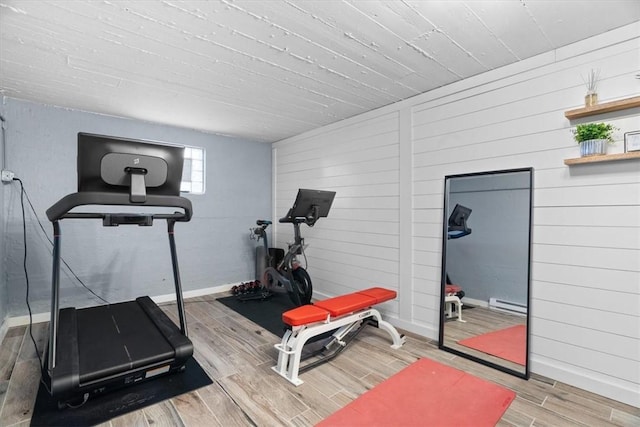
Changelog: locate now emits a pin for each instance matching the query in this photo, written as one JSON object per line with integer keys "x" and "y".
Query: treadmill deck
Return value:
{"x": 116, "y": 338}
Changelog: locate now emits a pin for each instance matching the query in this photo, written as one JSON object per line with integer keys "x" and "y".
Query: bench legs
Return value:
{"x": 290, "y": 348}
{"x": 451, "y": 301}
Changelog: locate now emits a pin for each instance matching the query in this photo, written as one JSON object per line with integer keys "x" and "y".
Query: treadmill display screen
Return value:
{"x": 119, "y": 165}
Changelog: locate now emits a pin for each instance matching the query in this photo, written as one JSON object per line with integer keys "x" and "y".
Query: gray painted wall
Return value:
{"x": 123, "y": 262}
{"x": 492, "y": 261}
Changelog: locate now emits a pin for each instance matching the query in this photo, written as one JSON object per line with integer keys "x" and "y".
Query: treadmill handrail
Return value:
{"x": 61, "y": 208}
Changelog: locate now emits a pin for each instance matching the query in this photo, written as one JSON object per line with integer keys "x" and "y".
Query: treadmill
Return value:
{"x": 101, "y": 348}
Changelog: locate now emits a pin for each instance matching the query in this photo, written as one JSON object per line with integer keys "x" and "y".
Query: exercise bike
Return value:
{"x": 287, "y": 273}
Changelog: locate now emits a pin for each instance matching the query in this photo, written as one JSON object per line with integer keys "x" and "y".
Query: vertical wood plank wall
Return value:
{"x": 388, "y": 167}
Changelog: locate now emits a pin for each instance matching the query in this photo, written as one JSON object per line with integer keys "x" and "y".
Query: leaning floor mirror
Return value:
{"x": 486, "y": 255}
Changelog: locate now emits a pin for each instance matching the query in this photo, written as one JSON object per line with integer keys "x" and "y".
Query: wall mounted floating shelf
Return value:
{"x": 607, "y": 107}
{"x": 604, "y": 158}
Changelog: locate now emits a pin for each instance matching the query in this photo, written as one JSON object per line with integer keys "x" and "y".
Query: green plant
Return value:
{"x": 587, "y": 131}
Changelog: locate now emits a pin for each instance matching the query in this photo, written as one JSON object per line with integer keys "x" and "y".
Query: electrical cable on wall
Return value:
{"x": 26, "y": 275}
{"x": 4, "y": 143}
{"x": 62, "y": 259}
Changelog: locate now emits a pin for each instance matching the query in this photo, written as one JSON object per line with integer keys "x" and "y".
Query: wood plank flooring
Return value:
{"x": 238, "y": 355}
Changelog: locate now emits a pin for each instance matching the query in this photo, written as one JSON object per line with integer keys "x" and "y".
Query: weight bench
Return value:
{"x": 452, "y": 301}
{"x": 345, "y": 314}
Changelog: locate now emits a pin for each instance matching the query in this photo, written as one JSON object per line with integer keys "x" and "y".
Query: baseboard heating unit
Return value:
{"x": 509, "y": 306}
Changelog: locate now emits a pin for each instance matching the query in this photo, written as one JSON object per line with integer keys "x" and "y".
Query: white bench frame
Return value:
{"x": 290, "y": 348}
{"x": 450, "y": 301}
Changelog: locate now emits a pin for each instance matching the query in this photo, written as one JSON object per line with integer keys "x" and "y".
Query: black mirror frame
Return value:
{"x": 525, "y": 375}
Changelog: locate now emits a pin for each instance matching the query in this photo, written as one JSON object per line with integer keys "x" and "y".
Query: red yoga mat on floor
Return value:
{"x": 508, "y": 344}
{"x": 426, "y": 393}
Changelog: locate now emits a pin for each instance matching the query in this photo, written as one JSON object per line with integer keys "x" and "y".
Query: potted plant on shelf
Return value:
{"x": 593, "y": 138}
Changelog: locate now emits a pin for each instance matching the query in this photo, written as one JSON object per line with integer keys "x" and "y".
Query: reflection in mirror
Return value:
{"x": 486, "y": 268}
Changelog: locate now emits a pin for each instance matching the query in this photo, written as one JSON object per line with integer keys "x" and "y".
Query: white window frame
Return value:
{"x": 194, "y": 173}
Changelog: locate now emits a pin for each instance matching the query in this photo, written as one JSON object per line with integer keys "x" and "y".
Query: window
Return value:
{"x": 193, "y": 171}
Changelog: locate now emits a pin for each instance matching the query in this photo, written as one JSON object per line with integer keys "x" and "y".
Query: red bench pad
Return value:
{"x": 452, "y": 289}
{"x": 380, "y": 294}
{"x": 345, "y": 304}
{"x": 337, "y": 306}
{"x": 304, "y": 314}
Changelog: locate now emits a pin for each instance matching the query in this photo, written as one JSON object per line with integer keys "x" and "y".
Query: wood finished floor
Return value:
{"x": 238, "y": 356}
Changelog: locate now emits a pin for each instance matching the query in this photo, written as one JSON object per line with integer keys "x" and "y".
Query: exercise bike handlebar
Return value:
{"x": 310, "y": 218}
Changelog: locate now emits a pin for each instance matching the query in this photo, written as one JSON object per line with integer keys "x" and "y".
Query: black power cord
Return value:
{"x": 26, "y": 275}
{"x": 50, "y": 241}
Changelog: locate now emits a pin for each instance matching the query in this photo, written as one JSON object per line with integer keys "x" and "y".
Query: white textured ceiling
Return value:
{"x": 266, "y": 70}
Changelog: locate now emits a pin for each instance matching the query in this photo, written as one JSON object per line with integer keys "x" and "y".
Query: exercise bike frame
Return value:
{"x": 282, "y": 276}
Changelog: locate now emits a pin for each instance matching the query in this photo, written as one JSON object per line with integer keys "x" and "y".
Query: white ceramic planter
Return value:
{"x": 593, "y": 147}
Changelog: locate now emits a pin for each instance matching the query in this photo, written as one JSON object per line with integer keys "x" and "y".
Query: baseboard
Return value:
{"x": 4, "y": 327}
{"x": 585, "y": 380}
{"x": 24, "y": 320}
{"x": 195, "y": 293}
{"x": 425, "y": 331}
{"x": 10, "y": 322}
{"x": 475, "y": 302}
{"x": 485, "y": 304}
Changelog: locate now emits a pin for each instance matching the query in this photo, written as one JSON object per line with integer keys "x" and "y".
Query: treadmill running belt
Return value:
{"x": 116, "y": 338}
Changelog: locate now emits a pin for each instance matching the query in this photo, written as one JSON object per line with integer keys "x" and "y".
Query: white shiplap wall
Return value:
{"x": 388, "y": 168}
{"x": 358, "y": 243}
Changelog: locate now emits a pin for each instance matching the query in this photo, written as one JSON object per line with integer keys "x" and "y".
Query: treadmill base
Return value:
{"x": 112, "y": 346}
{"x": 101, "y": 409}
